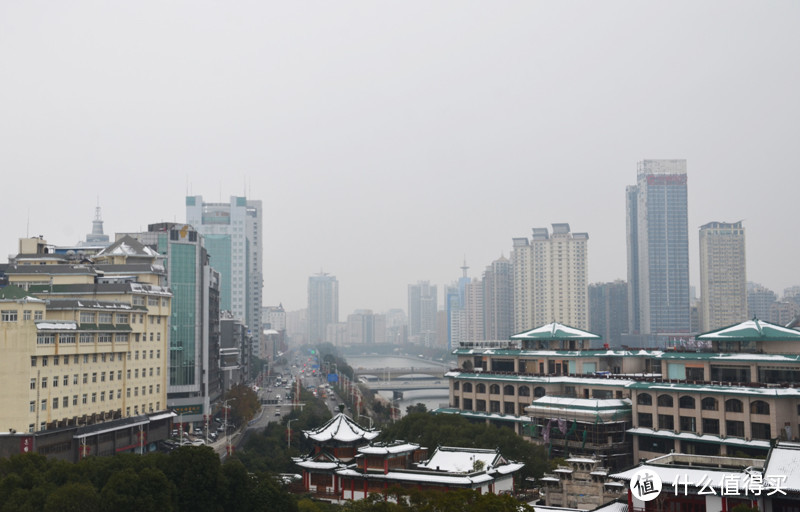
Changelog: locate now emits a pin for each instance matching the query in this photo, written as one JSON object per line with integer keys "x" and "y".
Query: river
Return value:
{"x": 374, "y": 364}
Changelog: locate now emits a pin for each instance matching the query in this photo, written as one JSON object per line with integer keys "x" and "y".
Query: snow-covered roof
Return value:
{"x": 584, "y": 403}
{"x": 752, "y": 330}
{"x": 128, "y": 246}
{"x": 56, "y": 326}
{"x": 556, "y": 331}
{"x": 784, "y": 461}
{"x": 582, "y": 460}
{"x": 614, "y": 506}
{"x": 313, "y": 464}
{"x": 460, "y": 460}
{"x": 709, "y": 477}
{"x": 704, "y": 388}
{"x": 422, "y": 477}
{"x": 694, "y": 437}
{"x": 343, "y": 429}
{"x": 387, "y": 449}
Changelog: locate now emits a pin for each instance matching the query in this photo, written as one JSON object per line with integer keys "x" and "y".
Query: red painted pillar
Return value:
{"x": 385, "y": 466}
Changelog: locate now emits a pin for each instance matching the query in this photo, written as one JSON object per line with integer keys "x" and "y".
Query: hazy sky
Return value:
{"x": 390, "y": 140}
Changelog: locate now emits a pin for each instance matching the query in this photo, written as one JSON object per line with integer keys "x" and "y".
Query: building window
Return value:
{"x": 33, "y": 362}
{"x": 733, "y": 405}
{"x": 468, "y": 388}
{"x": 688, "y": 424}
{"x": 87, "y": 317}
{"x": 122, "y": 318}
{"x": 494, "y": 389}
{"x": 666, "y": 422}
{"x": 467, "y": 404}
{"x": 94, "y": 377}
{"x": 55, "y": 381}
{"x": 33, "y": 383}
{"x": 644, "y": 399}
{"x": 94, "y": 397}
{"x": 38, "y": 315}
{"x": 665, "y": 401}
{"x": 494, "y": 406}
{"x": 102, "y": 376}
{"x": 734, "y": 428}
{"x": 645, "y": 420}
{"x": 524, "y": 391}
{"x": 686, "y": 402}
{"x": 85, "y": 378}
{"x": 8, "y": 315}
{"x": 66, "y": 380}
{"x": 26, "y": 315}
{"x": 44, "y": 382}
{"x": 759, "y": 407}
{"x": 760, "y": 430}
{"x": 74, "y": 399}
{"x": 55, "y": 403}
{"x": 539, "y": 391}
{"x": 508, "y": 390}
{"x": 104, "y": 318}
{"x": 84, "y": 398}
{"x": 32, "y": 406}
{"x": 102, "y": 396}
{"x": 508, "y": 408}
{"x": 480, "y": 388}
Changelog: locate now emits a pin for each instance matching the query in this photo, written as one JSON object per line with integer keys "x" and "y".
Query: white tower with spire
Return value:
{"x": 97, "y": 238}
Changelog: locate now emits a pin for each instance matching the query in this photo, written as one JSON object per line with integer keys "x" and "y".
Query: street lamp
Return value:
{"x": 289, "y": 433}
{"x": 368, "y": 417}
{"x": 227, "y": 437}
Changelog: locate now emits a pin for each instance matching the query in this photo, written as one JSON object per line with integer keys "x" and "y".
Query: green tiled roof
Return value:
{"x": 556, "y": 331}
{"x": 752, "y": 330}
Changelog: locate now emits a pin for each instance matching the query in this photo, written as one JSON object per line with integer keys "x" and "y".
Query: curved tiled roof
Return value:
{"x": 341, "y": 428}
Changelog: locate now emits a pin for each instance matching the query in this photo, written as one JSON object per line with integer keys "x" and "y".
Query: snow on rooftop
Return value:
{"x": 459, "y": 460}
{"x": 56, "y": 326}
{"x": 382, "y": 450}
{"x": 694, "y": 437}
{"x": 555, "y": 331}
{"x": 588, "y": 403}
{"x": 583, "y": 460}
{"x": 341, "y": 428}
{"x": 784, "y": 460}
{"x": 710, "y": 477}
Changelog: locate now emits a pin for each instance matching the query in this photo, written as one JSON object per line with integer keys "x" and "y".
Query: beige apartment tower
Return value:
{"x": 551, "y": 278}
{"x": 723, "y": 283}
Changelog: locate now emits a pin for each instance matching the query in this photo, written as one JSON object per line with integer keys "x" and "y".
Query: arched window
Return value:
{"x": 456, "y": 385}
{"x": 686, "y": 402}
{"x": 538, "y": 391}
{"x": 524, "y": 391}
{"x": 709, "y": 404}
{"x": 665, "y": 401}
{"x": 494, "y": 389}
{"x": 467, "y": 387}
{"x": 734, "y": 405}
{"x": 508, "y": 390}
{"x": 480, "y": 388}
{"x": 644, "y": 399}
{"x": 759, "y": 407}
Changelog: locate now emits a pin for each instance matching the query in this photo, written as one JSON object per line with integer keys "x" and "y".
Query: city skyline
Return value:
{"x": 390, "y": 143}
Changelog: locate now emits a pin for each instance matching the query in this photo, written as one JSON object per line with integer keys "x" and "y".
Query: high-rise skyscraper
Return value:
{"x": 658, "y": 249}
{"x": 194, "y": 379}
{"x": 550, "y": 278}
{"x": 422, "y": 305}
{"x": 723, "y": 283}
{"x": 323, "y": 305}
{"x": 759, "y": 301}
{"x": 233, "y": 239}
{"x": 608, "y": 310}
{"x": 498, "y": 300}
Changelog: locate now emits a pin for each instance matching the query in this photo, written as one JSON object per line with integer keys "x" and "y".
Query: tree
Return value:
{"x": 243, "y": 402}
{"x": 73, "y": 497}
{"x": 419, "y": 407}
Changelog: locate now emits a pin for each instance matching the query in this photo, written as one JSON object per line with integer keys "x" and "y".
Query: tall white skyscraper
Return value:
{"x": 658, "y": 249}
{"x": 723, "y": 280}
{"x": 422, "y": 306}
{"x": 551, "y": 278}
{"x": 323, "y": 306}
{"x": 233, "y": 239}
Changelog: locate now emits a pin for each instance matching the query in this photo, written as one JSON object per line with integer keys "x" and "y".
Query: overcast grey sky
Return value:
{"x": 390, "y": 140}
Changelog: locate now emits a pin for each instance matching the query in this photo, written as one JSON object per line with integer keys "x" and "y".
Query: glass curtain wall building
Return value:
{"x": 658, "y": 249}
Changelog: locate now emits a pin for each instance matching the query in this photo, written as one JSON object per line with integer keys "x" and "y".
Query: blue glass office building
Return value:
{"x": 658, "y": 249}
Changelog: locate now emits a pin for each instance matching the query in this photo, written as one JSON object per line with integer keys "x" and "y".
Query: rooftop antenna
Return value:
{"x": 464, "y": 268}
